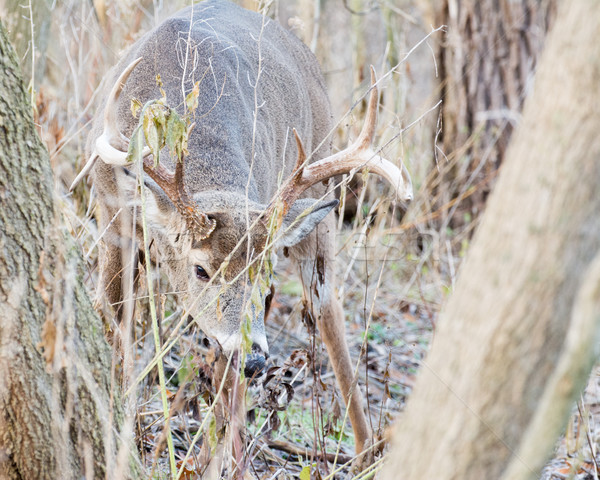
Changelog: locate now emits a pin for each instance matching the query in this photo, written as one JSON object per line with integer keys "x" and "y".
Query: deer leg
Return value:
{"x": 115, "y": 249}
{"x": 316, "y": 260}
{"x": 111, "y": 267}
{"x": 331, "y": 325}
{"x": 230, "y": 414}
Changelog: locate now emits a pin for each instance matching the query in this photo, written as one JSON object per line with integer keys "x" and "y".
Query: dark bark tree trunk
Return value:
{"x": 58, "y": 412}
{"x": 516, "y": 341}
{"x": 486, "y": 66}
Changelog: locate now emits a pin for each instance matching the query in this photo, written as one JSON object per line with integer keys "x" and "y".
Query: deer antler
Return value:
{"x": 357, "y": 156}
{"x": 171, "y": 183}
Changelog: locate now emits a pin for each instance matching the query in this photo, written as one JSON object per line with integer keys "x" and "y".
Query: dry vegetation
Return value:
{"x": 397, "y": 265}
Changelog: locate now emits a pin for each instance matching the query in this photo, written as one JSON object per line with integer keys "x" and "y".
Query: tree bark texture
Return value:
{"x": 516, "y": 340}
{"x": 58, "y": 417}
{"x": 486, "y": 64}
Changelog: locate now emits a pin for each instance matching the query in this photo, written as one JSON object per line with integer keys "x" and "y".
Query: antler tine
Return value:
{"x": 301, "y": 153}
{"x": 357, "y": 156}
{"x": 105, "y": 142}
{"x": 365, "y": 138}
{"x": 171, "y": 183}
{"x": 288, "y": 194}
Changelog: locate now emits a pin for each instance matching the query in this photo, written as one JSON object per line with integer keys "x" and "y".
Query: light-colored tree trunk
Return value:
{"x": 59, "y": 417}
{"x": 516, "y": 340}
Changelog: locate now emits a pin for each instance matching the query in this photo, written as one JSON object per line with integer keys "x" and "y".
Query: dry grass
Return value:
{"x": 397, "y": 266}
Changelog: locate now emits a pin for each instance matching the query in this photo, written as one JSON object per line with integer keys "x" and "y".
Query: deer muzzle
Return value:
{"x": 255, "y": 362}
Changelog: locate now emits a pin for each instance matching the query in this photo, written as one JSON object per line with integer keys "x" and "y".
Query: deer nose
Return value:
{"x": 255, "y": 362}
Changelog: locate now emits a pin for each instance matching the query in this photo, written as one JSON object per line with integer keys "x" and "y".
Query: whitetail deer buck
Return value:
{"x": 209, "y": 216}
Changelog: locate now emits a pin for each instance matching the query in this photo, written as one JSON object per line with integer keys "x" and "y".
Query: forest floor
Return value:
{"x": 576, "y": 455}
{"x": 296, "y": 424}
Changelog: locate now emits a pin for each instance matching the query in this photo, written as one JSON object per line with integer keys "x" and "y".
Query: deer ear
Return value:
{"x": 304, "y": 215}
{"x": 159, "y": 207}
{"x": 161, "y": 213}
{"x": 162, "y": 204}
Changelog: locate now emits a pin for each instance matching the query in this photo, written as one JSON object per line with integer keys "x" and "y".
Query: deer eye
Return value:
{"x": 201, "y": 274}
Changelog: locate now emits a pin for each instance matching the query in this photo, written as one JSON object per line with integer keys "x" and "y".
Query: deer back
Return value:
{"x": 247, "y": 65}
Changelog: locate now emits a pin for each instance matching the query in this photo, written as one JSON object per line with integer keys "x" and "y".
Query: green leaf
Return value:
{"x": 154, "y": 122}
{"x": 256, "y": 297}
{"x": 305, "y": 473}
{"x": 291, "y": 287}
{"x": 186, "y": 371}
{"x": 160, "y": 87}
{"x": 176, "y": 135}
{"x": 136, "y": 144}
{"x": 152, "y": 135}
{"x": 191, "y": 99}
{"x": 246, "y": 331}
{"x": 160, "y": 123}
{"x": 136, "y": 105}
{"x": 213, "y": 441}
{"x": 158, "y": 115}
